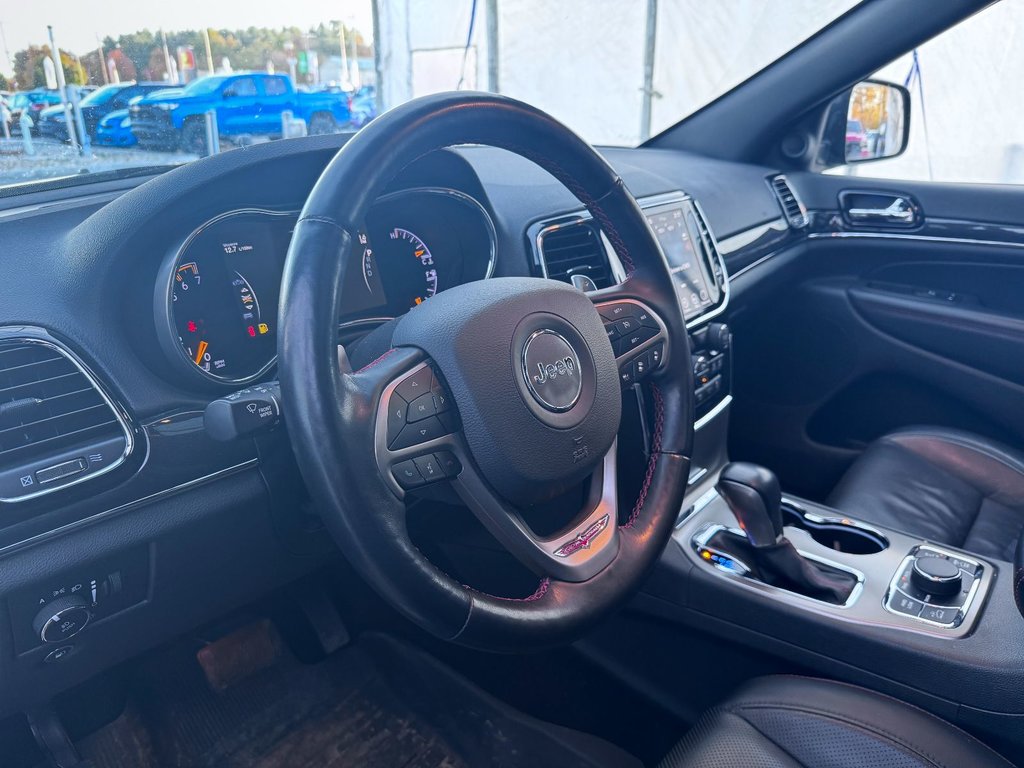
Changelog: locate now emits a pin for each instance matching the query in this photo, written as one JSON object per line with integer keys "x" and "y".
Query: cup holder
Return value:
{"x": 835, "y": 532}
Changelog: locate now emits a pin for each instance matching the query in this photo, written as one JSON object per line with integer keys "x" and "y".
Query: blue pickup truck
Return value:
{"x": 246, "y": 103}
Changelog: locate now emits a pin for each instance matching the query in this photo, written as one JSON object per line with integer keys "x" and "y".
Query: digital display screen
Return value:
{"x": 672, "y": 227}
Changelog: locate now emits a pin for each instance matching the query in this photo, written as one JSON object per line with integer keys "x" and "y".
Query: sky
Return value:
{"x": 77, "y": 23}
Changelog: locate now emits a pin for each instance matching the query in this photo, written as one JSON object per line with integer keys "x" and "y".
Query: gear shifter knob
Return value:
{"x": 752, "y": 493}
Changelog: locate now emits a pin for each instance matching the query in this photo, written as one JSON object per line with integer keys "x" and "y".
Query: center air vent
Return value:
{"x": 56, "y": 426}
{"x": 795, "y": 212}
{"x": 574, "y": 249}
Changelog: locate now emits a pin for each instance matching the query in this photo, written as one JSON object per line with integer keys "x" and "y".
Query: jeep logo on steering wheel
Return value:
{"x": 551, "y": 369}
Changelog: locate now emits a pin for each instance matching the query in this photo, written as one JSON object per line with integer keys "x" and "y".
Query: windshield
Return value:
{"x": 616, "y": 72}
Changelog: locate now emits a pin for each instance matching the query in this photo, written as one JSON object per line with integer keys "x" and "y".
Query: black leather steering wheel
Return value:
{"x": 522, "y": 371}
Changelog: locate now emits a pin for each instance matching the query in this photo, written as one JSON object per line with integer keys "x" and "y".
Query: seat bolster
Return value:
{"x": 824, "y": 723}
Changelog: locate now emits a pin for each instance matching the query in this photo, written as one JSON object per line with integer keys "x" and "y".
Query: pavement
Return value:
{"x": 54, "y": 159}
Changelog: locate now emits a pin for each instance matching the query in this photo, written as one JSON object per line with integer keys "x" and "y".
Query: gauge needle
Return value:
{"x": 202, "y": 351}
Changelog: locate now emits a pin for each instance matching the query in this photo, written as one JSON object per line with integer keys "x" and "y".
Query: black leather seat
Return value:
{"x": 785, "y": 722}
{"x": 944, "y": 485}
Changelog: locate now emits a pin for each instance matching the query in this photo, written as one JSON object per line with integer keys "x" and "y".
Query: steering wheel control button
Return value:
{"x": 430, "y": 469}
{"x": 450, "y": 465}
{"x": 936, "y": 576}
{"x": 415, "y": 385}
{"x": 613, "y": 312}
{"x": 429, "y": 428}
{"x": 612, "y": 331}
{"x": 407, "y": 475}
{"x": 422, "y": 407}
{"x": 397, "y": 410}
{"x": 62, "y": 619}
{"x": 633, "y": 339}
{"x": 657, "y": 355}
{"x": 551, "y": 368}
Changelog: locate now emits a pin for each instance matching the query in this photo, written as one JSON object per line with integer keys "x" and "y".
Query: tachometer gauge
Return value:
{"x": 413, "y": 248}
{"x": 222, "y": 302}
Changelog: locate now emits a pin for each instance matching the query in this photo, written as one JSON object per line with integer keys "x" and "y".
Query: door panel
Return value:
{"x": 875, "y": 329}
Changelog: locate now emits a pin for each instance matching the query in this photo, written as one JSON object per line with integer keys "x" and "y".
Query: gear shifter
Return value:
{"x": 752, "y": 493}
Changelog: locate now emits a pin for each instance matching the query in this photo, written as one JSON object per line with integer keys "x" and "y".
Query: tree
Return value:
{"x": 5, "y": 84}
{"x": 30, "y": 71}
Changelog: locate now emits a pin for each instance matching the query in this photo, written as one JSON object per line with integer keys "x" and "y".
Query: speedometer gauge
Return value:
{"x": 413, "y": 247}
{"x": 223, "y": 292}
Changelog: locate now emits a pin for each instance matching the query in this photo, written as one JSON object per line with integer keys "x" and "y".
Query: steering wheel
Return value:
{"x": 509, "y": 388}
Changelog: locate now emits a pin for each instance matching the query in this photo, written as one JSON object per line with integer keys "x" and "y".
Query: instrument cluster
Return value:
{"x": 218, "y": 293}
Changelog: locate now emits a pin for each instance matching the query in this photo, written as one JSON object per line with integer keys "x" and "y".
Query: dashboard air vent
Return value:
{"x": 574, "y": 249}
{"x": 795, "y": 212}
{"x": 56, "y": 426}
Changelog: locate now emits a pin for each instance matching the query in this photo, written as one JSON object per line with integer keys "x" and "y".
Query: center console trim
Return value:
{"x": 704, "y": 535}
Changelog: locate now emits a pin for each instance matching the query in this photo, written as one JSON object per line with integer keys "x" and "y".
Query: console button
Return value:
{"x": 407, "y": 475}
{"x": 420, "y": 432}
{"x": 940, "y": 613}
{"x": 415, "y": 385}
{"x": 903, "y": 604}
{"x": 450, "y": 465}
{"x": 422, "y": 407}
{"x": 936, "y": 576}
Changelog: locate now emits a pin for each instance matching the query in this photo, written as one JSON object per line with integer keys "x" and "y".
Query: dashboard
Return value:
{"x": 217, "y": 293}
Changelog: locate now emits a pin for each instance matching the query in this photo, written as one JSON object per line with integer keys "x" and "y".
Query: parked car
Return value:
{"x": 115, "y": 130}
{"x": 35, "y": 102}
{"x": 363, "y": 105}
{"x": 249, "y": 103}
{"x": 95, "y": 105}
{"x": 856, "y": 140}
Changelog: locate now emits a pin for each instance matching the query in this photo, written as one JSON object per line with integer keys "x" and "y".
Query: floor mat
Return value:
{"x": 378, "y": 703}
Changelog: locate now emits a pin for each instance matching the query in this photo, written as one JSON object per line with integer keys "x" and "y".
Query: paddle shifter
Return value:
{"x": 753, "y": 495}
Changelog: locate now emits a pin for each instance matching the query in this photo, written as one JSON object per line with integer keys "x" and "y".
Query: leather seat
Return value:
{"x": 785, "y": 722}
{"x": 948, "y": 486}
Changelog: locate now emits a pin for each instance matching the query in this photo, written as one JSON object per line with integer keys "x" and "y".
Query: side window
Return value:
{"x": 963, "y": 84}
{"x": 275, "y": 86}
{"x": 244, "y": 86}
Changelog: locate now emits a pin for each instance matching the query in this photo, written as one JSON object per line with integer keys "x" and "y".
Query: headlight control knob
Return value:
{"x": 62, "y": 618}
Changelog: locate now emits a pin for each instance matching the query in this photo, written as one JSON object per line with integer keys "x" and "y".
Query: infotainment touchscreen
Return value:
{"x": 672, "y": 224}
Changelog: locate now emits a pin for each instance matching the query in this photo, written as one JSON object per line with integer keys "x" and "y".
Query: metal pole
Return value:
{"x": 650, "y": 35}
{"x": 103, "y": 60}
{"x": 80, "y": 121}
{"x": 492, "y": 46}
{"x": 69, "y": 120}
{"x": 7, "y": 51}
{"x": 209, "y": 51}
{"x": 212, "y": 137}
{"x": 167, "y": 56}
{"x": 344, "y": 52}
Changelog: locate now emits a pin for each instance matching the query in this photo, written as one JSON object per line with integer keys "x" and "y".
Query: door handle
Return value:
{"x": 899, "y": 211}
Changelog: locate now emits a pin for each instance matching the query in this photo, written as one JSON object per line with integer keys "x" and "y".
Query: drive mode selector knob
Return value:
{"x": 936, "y": 576}
{"x": 62, "y": 618}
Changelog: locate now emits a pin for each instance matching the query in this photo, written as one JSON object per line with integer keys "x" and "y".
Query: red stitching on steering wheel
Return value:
{"x": 659, "y": 423}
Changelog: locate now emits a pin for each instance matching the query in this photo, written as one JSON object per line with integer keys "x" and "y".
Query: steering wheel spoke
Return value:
{"x": 577, "y": 552}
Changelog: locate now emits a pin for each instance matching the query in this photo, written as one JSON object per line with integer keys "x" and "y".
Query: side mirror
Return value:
{"x": 871, "y": 121}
